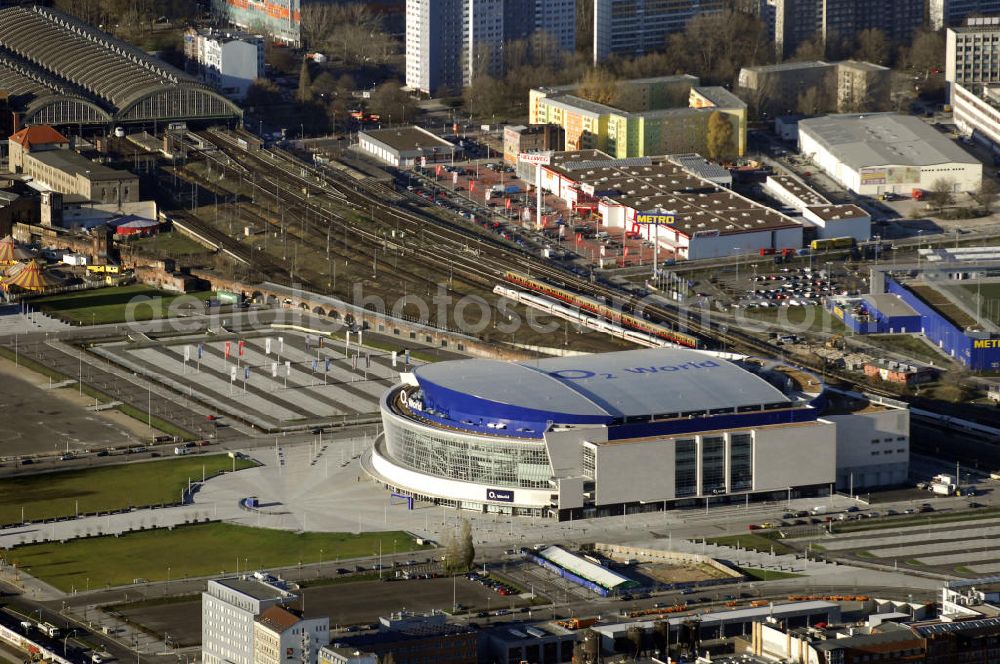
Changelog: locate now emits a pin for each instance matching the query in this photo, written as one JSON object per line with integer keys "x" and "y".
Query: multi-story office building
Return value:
{"x": 775, "y": 89}
{"x": 946, "y": 13}
{"x": 228, "y": 609}
{"x": 798, "y": 21}
{"x": 279, "y": 19}
{"x": 862, "y": 86}
{"x": 230, "y": 61}
{"x": 434, "y": 45}
{"x": 484, "y": 38}
{"x": 280, "y": 635}
{"x": 634, "y": 27}
{"x": 665, "y": 115}
{"x": 449, "y": 41}
{"x": 852, "y": 86}
{"x": 972, "y": 54}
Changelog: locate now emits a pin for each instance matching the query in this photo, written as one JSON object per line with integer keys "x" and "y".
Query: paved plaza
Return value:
{"x": 14, "y": 321}
{"x": 276, "y": 378}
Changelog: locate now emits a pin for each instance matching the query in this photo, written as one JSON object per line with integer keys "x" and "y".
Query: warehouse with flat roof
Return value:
{"x": 406, "y": 147}
{"x": 606, "y": 434}
{"x": 875, "y": 153}
{"x": 709, "y": 219}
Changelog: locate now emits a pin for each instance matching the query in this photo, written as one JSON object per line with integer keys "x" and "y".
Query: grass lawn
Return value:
{"x": 190, "y": 551}
{"x": 813, "y": 318}
{"x": 768, "y": 574}
{"x": 751, "y": 542}
{"x": 170, "y": 244}
{"x": 983, "y": 298}
{"x": 909, "y": 345}
{"x": 56, "y": 494}
{"x": 116, "y": 304}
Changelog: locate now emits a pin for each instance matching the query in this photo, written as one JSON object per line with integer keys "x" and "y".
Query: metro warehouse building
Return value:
{"x": 632, "y": 431}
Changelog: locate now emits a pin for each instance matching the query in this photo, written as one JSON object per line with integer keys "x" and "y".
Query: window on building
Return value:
{"x": 740, "y": 462}
{"x": 685, "y": 468}
{"x": 713, "y": 464}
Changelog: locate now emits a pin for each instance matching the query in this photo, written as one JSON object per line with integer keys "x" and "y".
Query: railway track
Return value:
{"x": 480, "y": 258}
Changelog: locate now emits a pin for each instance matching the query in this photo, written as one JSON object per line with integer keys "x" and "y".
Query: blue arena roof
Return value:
{"x": 594, "y": 389}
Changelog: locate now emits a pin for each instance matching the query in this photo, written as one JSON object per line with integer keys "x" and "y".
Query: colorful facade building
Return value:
{"x": 653, "y": 116}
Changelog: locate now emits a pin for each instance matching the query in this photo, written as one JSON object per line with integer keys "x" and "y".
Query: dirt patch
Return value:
{"x": 664, "y": 573}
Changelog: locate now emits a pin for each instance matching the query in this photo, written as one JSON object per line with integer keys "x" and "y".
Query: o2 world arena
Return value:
{"x": 643, "y": 430}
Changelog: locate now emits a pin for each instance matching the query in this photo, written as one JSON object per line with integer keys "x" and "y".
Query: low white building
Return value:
{"x": 874, "y": 153}
{"x": 406, "y": 147}
{"x": 839, "y": 221}
{"x": 340, "y": 655}
{"x": 230, "y": 61}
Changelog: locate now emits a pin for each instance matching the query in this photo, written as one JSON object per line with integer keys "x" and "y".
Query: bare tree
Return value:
{"x": 927, "y": 51}
{"x": 986, "y": 194}
{"x": 940, "y": 194}
{"x": 358, "y": 36}
{"x": 873, "y": 46}
{"x": 812, "y": 49}
{"x": 319, "y": 19}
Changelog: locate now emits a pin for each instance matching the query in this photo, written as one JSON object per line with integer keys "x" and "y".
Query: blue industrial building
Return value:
{"x": 979, "y": 351}
{"x": 875, "y": 314}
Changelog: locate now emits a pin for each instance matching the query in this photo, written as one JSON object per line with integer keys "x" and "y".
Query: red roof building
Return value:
{"x": 38, "y": 135}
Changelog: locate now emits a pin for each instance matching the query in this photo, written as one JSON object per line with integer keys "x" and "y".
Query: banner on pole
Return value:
{"x": 232, "y": 374}
{"x": 281, "y": 344}
{"x": 187, "y": 353}
{"x": 201, "y": 349}
{"x": 246, "y": 373}
{"x": 288, "y": 368}
{"x": 393, "y": 359}
{"x": 267, "y": 346}
{"x": 326, "y": 368}
{"x": 274, "y": 369}
{"x": 227, "y": 349}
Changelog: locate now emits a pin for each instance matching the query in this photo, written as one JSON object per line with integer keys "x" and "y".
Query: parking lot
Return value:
{"x": 953, "y": 544}
{"x": 346, "y": 603}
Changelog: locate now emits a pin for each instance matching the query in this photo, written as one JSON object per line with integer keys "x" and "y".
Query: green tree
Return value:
{"x": 468, "y": 549}
{"x": 460, "y": 551}
{"x": 262, "y": 92}
{"x": 392, "y": 103}
{"x": 599, "y": 86}
{"x": 719, "y": 136}
{"x": 305, "y": 92}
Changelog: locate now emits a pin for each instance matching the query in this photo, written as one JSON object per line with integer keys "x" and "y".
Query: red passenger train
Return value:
{"x": 603, "y": 310}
